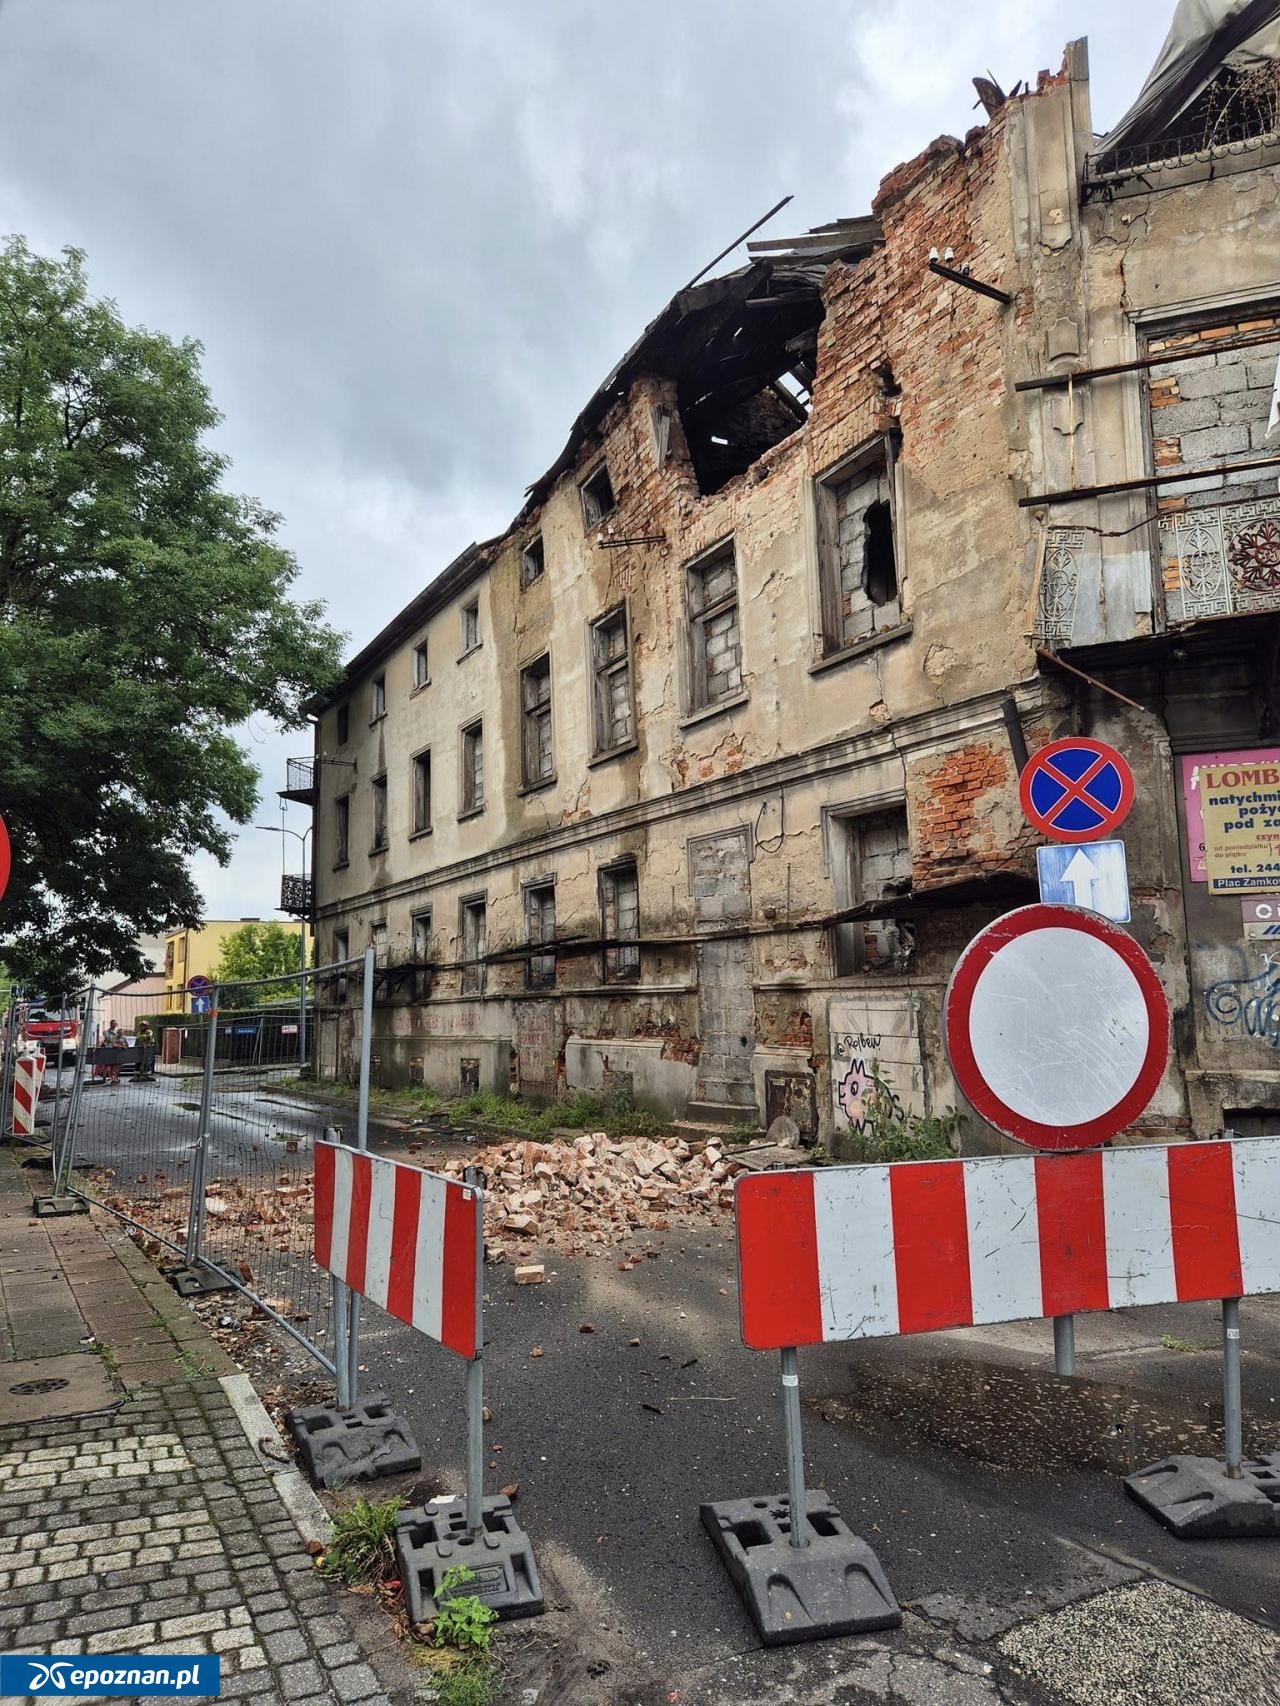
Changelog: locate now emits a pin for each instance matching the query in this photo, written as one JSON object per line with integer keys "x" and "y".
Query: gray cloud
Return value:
{"x": 413, "y": 235}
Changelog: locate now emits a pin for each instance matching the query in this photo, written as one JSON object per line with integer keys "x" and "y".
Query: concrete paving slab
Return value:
{"x": 41, "y": 1388}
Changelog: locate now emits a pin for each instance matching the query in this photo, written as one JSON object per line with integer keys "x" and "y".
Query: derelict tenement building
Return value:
{"x": 698, "y": 777}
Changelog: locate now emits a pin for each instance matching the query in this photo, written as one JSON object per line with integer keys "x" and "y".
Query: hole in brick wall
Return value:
{"x": 879, "y": 570}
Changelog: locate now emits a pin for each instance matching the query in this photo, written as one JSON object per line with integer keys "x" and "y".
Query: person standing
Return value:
{"x": 145, "y": 1041}
{"x": 112, "y": 1047}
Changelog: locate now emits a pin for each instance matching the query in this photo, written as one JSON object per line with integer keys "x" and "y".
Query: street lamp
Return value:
{"x": 283, "y": 829}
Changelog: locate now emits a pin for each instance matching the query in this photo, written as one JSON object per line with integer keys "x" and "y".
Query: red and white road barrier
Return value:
{"x": 404, "y": 1238}
{"x": 28, "y": 1075}
{"x": 910, "y": 1247}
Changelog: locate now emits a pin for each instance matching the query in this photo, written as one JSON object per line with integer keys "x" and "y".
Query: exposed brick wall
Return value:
{"x": 965, "y": 814}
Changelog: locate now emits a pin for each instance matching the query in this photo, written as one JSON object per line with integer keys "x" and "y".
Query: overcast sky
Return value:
{"x": 414, "y": 235}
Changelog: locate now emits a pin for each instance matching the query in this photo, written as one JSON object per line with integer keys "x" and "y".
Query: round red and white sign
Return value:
{"x": 1056, "y": 1026}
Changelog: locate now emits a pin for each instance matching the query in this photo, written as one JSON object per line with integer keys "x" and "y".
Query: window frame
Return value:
{"x": 415, "y": 929}
{"x": 540, "y": 709}
{"x": 342, "y": 722}
{"x": 846, "y": 858}
{"x": 469, "y": 806}
{"x": 882, "y": 448}
{"x": 593, "y": 513}
{"x": 420, "y": 664}
{"x": 699, "y": 701}
{"x": 471, "y": 609}
{"x": 378, "y": 794}
{"x": 473, "y": 970}
{"x": 612, "y": 967}
{"x": 422, "y": 823}
{"x": 341, "y": 831}
{"x": 600, "y": 674}
{"x": 546, "y": 978}
{"x": 533, "y": 551}
{"x": 377, "y": 698}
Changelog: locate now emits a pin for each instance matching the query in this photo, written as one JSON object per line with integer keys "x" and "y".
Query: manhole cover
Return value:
{"x": 34, "y": 1388}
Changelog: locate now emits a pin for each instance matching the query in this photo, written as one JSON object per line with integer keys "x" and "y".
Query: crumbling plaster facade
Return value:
{"x": 741, "y": 817}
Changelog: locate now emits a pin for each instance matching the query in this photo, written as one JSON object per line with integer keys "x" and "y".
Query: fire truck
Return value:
{"x": 57, "y": 1032}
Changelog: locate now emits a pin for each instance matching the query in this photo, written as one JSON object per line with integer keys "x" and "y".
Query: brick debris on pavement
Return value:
{"x": 157, "y": 1522}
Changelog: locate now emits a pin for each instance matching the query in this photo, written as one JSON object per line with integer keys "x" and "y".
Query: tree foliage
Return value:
{"x": 257, "y": 950}
{"x": 144, "y": 615}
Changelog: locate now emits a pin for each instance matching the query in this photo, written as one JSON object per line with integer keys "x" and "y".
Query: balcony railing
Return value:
{"x": 296, "y": 896}
{"x": 1221, "y": 562}
{"x": 299, "y": 780}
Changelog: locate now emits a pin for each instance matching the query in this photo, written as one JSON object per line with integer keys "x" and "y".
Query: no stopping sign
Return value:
{"x": 1056, "y": 1026}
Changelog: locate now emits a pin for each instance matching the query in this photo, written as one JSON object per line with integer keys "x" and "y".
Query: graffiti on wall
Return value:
{"x": 882, "y": 1031}
{"x": 1250, "y": 1005}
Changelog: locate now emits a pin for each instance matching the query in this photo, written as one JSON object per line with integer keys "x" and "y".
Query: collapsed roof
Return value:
{"x": 741, "y": 349}
{"x": 1209, "y": 65}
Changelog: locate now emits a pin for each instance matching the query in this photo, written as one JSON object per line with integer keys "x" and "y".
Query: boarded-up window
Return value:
{"x": 422, "y": 793}
{"x": 871, "y": 859}
{"x": 614, "y": 720}
{"x": 620, "y": 922}
{"x": 535, "y": 692}
{"x": 857, "y": 553}
{"x": 473, "y": 768}
{"x": 715, "y": 642}
{"x": 473, "y": 946}
{"x": 540, "y": 922}
{"x": 379, "y": 813}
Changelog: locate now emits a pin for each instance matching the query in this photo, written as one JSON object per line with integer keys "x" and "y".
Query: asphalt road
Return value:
{"x": 990, "y": 1490}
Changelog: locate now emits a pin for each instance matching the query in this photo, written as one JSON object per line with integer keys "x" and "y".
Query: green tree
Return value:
{"x": 257, "y": 950}
{"x": 144, "y": 615}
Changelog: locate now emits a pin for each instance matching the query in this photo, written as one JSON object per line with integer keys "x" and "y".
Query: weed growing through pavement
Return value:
{"x": 363, "y": 1548}
{"x": 1172, "y": 1344}
{"x": 462, "y": 1620}
{"x": 107, "y": 1353}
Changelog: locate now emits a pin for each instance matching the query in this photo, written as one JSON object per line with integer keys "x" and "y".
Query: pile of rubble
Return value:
{"x": 591, "y": 1191}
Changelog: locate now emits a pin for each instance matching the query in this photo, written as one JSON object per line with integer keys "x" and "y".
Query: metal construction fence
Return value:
{"x": 198, "y": 1129}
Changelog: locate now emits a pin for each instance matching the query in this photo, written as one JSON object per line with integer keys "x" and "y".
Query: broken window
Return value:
{"x": 871, "y": 860}
{"x": 715, "y": 644}
{"x": 378, "y": 942}
{"x": 421, "y": 673}
{"x": 540, "y": 925}
{"x": 856, "y": 552}
{"x": 533, "y": 561}
{"x": 535, "y": 693}
{"x": 379, "y": 814}
{"x": 620, "y": 921}
{"x": 341, "y": 954}
{"x": 470, "y": 626}
{"x": 341, "y": 829}
{"x": 421, "y": 927}
{"x": 598, "y": 500}
{"x": 344, "y": 724}
{"x": 473, "y": 768}
{"x": 473, "y": 946}
{"x": 421, "y": 793}
{"x": 614, "y": 723}
{"x": 377, "y": 698}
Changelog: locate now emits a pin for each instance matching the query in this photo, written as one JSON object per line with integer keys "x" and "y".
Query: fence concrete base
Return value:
{"x": 47, "y": 1208}
{"x": 832, "y": 1586}
{"x": 1196, "y": 1499}
{"x": 356, "y": 1444}
{"x": 433, "y": 1539}
{"x": 198, "y": 1279}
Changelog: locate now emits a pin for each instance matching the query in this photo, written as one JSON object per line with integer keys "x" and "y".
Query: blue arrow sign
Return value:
{"x": 1092, "y": 874}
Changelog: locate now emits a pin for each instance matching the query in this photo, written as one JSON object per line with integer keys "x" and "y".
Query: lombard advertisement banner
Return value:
{"x": 1232, "y": 802}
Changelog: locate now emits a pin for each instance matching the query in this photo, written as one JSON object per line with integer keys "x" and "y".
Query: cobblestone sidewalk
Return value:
{"x": 158, "y": 1525}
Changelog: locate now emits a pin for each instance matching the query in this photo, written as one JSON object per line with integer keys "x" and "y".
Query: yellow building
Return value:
{"x": 194, "y": 953}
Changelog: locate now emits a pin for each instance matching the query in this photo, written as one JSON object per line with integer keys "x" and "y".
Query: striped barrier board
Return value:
{"x": 28, "y": 1075}
{"x": 404, "y": 1238}
{"x": 911, "y": 1247}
